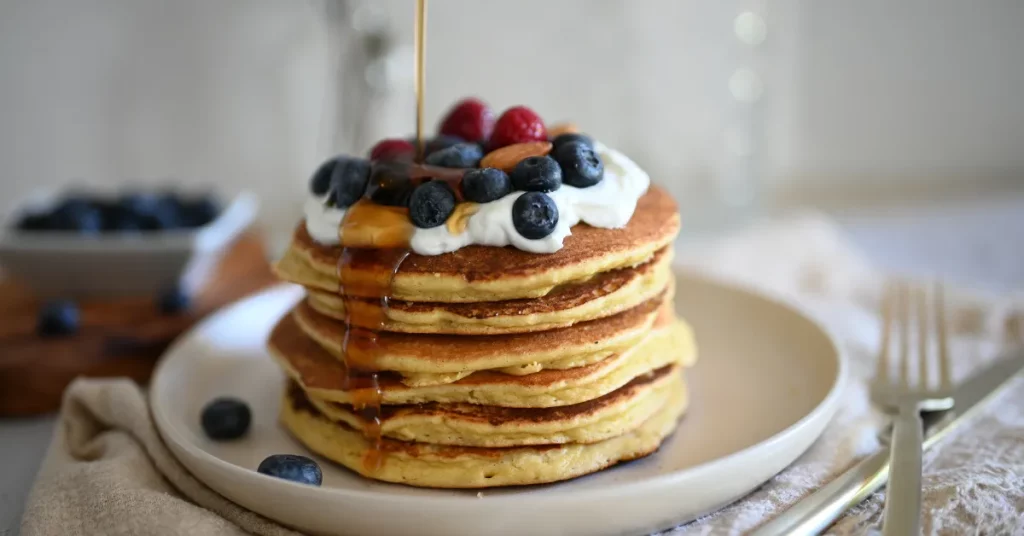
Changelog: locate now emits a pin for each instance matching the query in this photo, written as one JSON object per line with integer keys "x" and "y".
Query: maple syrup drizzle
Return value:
{"x": 362, "y": 346}
{"x": 383, "y": 235}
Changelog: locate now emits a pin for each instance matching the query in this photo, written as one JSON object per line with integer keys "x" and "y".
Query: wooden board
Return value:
{"x": 119, "y": 337}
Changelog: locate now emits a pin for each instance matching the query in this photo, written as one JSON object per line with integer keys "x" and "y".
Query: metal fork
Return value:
{"x": 906, "y": 398}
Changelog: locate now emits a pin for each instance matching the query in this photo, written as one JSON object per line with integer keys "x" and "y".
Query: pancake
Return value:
{"x": 486, "y": 273}
{"x": 613, "y": 414}
{"x": 444, "y": 466}
{"x": 431, "y": 358}
{"x": 323, "y": 376}
{"x": 601, "y": 296}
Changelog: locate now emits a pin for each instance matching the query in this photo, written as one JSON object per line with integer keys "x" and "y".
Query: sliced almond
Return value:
{"x": 459, "y": 219}
{"x": 507, "y": 157}
{"x": 563, "y": 128}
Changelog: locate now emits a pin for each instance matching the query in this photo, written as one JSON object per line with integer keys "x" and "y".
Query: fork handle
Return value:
{"x": 902, "y": 514}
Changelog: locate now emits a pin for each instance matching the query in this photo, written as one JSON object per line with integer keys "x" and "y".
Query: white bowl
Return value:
{"x": 61, "y": 263}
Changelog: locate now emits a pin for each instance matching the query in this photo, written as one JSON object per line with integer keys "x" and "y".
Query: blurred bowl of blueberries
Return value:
{"x": 134, "y": 242}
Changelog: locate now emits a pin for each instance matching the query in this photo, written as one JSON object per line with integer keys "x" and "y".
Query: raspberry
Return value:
{"x": 392, "y": 149}
{"x": 470, "y": 119}
{"x": 517, "y": 125}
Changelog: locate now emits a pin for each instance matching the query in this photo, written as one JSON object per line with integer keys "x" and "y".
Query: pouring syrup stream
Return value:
{"x": 420, "y": 74}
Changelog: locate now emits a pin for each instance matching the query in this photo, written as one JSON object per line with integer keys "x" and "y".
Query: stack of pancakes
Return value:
{"x": 498, "y": 367}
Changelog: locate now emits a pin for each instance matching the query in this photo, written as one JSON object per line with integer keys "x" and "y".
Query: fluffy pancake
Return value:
{"x": 600, "y": 296}
{"x": 420, "y": 357}
{"x": 484, "y": 273}
{"x": 615, "y": 413}
{"x": 323, "y": 376}
{"x": 445, "y": 466}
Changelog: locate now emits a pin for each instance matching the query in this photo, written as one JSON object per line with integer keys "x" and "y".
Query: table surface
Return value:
{"x": 976, "y": 244}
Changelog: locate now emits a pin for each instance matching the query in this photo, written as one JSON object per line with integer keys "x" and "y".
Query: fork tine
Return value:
{"x": 882, "y": 366}
{"x": 940, "y": 319}
{"x": 922, "y": 335}
{"x": 903, "y": 293}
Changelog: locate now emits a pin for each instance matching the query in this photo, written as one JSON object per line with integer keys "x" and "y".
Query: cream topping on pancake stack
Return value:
{"x": 522, "y": 331}
{"x": 608, "y": 204}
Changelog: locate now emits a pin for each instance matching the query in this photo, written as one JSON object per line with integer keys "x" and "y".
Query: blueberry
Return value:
{"x": 163, "y": 218}
{"x": 348, "y": 181}
{"x": 562, "y": 139}
{"x": 226, "y": 418}
{"x": 74, "y": 203}
{"x": 581, "y": 167}
{"x": 485, "y": 185}
{"x": 117, "y": 219}
{"x": 173, "y": 300}
{"x": 320, "y": 183}
{"x": 292, "y": 467}
{"x": 35, "y": 221}
{"x": 157, "y": 213}
{"x": 199, "y": 211}
{"x": 430, "y": 204}
{"x": 461, "y": 155}
{"x": 58, "y": 318}
{"x": 390, "y": 185}
{"x": 534, "y": 215}
{"x": 138, "y": 203}
{"x": 77, "y": 214}
{"x": 170, "y": 201}
{"x": 537, "y": 174}
{"x": 442, "y": 141}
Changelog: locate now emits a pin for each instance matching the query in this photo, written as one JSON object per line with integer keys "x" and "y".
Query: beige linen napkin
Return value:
{"x": 108, "y": 472}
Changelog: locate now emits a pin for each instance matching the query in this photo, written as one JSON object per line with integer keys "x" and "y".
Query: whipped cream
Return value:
{"x": 608, "y": 204}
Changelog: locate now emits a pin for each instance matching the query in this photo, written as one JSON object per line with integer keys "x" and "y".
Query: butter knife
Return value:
{"x": 816, "y": 512}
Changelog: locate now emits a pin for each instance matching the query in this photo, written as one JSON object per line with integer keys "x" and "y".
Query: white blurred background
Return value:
{"x": 737, "y": 106}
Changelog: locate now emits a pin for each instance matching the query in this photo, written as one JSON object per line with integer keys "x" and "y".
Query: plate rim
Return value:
{"x": 825, "y": 408}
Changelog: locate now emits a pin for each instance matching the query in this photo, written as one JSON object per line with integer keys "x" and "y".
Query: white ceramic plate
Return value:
{"x": 767, "y": 383}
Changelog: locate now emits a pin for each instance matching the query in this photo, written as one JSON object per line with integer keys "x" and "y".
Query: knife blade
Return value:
{"x": 814, "y": 513}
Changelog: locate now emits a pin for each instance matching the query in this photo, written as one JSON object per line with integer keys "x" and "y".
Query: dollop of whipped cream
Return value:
{"x": 608, "y": 204}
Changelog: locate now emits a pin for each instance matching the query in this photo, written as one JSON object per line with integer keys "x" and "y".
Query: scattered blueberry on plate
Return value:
{"x": 226, "y": 418}
{"x": 537, "y": 174}
{"x": 173, "y": 300}
{"x": 485, "y": 185}
{"x": 534, "y": 215}
{"x": 57, "y": 318}
{"x": 430, "y": 204}
{"x": 581, "y": 167}
{"x": 292, "y": 467}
